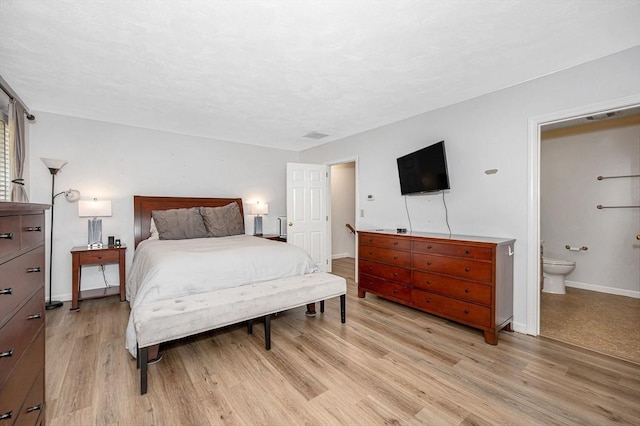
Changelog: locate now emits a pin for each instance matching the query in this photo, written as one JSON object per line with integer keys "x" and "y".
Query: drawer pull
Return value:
{"x": 466, "y": 311}
{"x": 6, "y": 236}
{"x": 395, "y": 243}
{"x": 428, "y": 282}
{"x": 428, "y": 300}
{"x": 429, "y": 247}
{"x": 466, "y": 290}
{"x": 428, "y": 263}
{"x": 6, "y": 415}
{"x": 34, "y": 408}
{"x": 467, "y": 252}
{"x": 467, "y": 269}
{"x": 370, "y": 253}
{"x": 35, "y": 316}
{"x": 6, "y": 290}
{"x": 371, "y": 268}
{"x": 6, "y": 354}
{"x": 36, "y": 269}
{"x": 395, "y": 257}
{"x": 34, "y": 229}
{"x": 395, "y": 274}
{"x": 395, "y": 291}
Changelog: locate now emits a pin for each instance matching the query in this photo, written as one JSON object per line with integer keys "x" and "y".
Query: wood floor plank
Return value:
{"x": 389, "y": 364}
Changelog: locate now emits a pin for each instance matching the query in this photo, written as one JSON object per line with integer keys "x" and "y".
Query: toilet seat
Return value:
{"x": 553, "y": 261}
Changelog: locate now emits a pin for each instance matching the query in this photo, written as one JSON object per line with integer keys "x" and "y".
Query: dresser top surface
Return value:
{"x": 7, "y": 207}
{"x": 439, "y": 236}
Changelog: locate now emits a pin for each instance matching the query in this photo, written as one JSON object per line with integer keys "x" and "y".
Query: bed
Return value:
{"x": 167, "y": 269}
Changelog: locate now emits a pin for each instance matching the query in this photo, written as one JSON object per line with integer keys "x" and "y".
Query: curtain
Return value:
{"x": 17, "y": 145}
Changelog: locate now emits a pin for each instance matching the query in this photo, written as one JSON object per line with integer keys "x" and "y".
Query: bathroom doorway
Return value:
{"x": 588, "y": 175}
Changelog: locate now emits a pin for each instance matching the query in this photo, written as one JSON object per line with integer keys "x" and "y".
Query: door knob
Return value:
{"x": 290, "y": 223}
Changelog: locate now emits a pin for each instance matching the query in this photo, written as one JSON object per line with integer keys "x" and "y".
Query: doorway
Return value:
{"x": 585, "y": 163}
{"x": 342, "y": 185}
{"x": 534, "y": 272}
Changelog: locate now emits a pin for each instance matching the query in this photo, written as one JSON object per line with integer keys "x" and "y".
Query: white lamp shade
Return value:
{"x": 259, "y": 208}
{"x": 94, "y": 208}
{"x": 53, "y": 164}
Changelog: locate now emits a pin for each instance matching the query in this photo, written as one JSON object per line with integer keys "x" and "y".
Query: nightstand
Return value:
{"x": 83, "y": 255}
{"x": 274, "y": 237}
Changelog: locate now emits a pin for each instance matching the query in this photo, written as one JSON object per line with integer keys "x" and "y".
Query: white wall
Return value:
{"x": 570, "y": 193}
{"x": 483, "y": 133}
{"x": 343, "y": 206}
{"x": 115, "y": 162}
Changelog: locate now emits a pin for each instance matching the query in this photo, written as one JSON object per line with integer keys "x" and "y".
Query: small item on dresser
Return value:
{"x": 111, "y": 240}
{"x": 402, "y": 230}
{"x": 117, "y": 242}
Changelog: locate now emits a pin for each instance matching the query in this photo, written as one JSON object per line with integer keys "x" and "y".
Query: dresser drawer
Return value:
{"x": 32, "y": 230}
{"x": 452, "y": 308}
{"x": 17, "y": 387}
{"x": 99, "y": 257}
{"x": 385, "y": 242}
{"x": 18, "y": 332}
{"x": 33, "y": 407}
{"x": 393, "y": 257}
{"x": 393, "y": 273}
{"x": 9, "y": 235}
{"x": 465, "y": 290}
{"x": 450, "y": 249}
{"x": 19, "y": 279}
{"x": 463, "y": 268}
{"x": 385, "y": 288}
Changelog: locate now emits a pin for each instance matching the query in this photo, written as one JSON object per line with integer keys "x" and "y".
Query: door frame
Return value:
{"x": 351, "y": 159}
{"x": 533, "y": 203}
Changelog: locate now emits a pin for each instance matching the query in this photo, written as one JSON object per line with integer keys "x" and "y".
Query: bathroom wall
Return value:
{"x": 570, "y": 162}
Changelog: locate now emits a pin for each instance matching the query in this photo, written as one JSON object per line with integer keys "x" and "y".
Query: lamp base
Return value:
{"x": 52, "y": 304}
{"x": 257, "y": 226}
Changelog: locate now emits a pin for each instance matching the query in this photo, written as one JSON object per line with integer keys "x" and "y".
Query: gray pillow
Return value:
{"x": 179, "y": 224}
{"x": 223, "y": 221}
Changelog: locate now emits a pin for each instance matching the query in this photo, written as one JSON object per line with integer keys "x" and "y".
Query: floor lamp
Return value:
{"x": 71, "y": 195}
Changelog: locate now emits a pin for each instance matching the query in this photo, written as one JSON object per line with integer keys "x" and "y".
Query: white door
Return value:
{"x": 307, "y": 210}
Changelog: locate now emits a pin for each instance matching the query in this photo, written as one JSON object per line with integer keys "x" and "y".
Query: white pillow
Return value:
{"x": 154, "y": 231}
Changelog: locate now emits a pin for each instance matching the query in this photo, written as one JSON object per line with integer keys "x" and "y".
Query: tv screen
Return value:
{"x": 424, "y": 170}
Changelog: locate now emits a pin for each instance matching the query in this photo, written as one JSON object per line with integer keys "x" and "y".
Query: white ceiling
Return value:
{"x": 268, "y": 72}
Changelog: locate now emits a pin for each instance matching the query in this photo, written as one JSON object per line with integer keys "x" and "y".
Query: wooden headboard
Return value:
{"x": 143, "y": 206}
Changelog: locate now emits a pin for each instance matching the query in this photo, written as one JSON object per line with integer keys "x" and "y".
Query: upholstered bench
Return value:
{"x": 168, "y": 320}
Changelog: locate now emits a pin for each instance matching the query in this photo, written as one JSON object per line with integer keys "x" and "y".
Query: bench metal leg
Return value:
{"x": 343, "y": 313}
{"x": 322, "y": 306}
{"x": 250, "y": 327}
{"x": 142, "y": 361}
{"x": 267, "y": 332}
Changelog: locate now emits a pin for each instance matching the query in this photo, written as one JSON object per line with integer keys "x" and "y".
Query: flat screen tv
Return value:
{"x": 424, "y": 170}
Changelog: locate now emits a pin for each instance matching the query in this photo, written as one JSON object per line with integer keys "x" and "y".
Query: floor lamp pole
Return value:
{"x": 52, "y": 304}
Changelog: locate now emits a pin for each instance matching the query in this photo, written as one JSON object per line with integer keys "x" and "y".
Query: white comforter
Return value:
{"x": 165, "y": 269}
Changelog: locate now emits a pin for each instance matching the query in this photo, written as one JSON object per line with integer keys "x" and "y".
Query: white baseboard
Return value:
{"x": 603, "y": 289}
{"x": 340, "y": 256}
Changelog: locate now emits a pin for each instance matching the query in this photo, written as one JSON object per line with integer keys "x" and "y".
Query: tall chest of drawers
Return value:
{"x": 465, "y": 279}
{"x": 22, "y": 311}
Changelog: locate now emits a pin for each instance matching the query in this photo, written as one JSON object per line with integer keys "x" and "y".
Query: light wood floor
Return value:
{"x": 387, "y": 365}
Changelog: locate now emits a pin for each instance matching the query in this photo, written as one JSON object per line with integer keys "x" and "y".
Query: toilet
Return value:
{"x": 554, "y": 271}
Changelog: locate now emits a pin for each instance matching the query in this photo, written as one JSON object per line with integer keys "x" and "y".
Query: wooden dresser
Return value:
{"x": 465, "y": 279}
{"x": 22, "y": 276}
